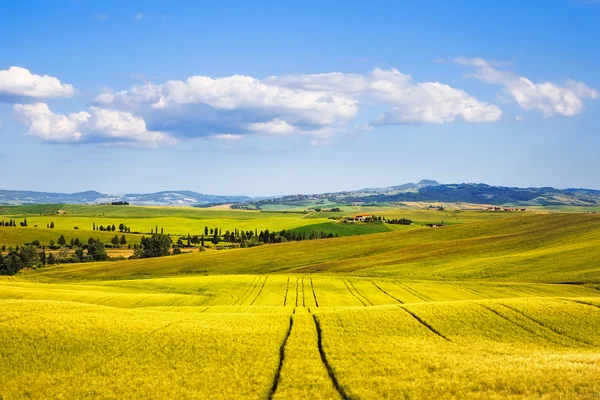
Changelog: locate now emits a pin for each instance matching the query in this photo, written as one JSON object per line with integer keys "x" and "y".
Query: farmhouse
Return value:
{"x": 61, "y": 212}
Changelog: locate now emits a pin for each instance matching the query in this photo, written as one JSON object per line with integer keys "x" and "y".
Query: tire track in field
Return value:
{"x": 358, "y": 293}
{"x": 413, "y": 292}
{"x": 547, "y": 327}
{"x": 260, "y": 291}
{"x": 303, "y": 295}
{"x": 336, "y": 384}
{"x": 425, "y": 324}
{"x": 314, "y": 294}
{"x": 386, "y": 293}
{"x": 581, "y": 302}
{"x": 250, "y": 292}
{"x": 277, "y": 376}
{"x": 358, "y": 298}
{"x": 296, "y": 294}
{"x": 245, "y": 291}
{"x": 287, "y": 286}
{"x": 534, "y": 333}
{"x": 476, "y": 292}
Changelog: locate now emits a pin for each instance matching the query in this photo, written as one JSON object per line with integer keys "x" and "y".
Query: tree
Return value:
{"x": 189, "y": 244}
{"x": 79, "y": 253}
{"x": 44, "y": 260}
{"x": 51, "y": 225}
{"x": 97, "y": 251}
{"x": 215, "y": 239}
{"x": 121, "y": 227}
{"x": 123, "y": 241}
{"x": 156, "y": 246}
{"x": 94, "y": 226}
{"x": 115, "y": 240}
{"x": 113, "y": 228}
{"x": 51, "y": 259}
{"x": 161, "y": 231}
{"x": 62, "y": 241}
{"x": 25, "y": 222}
{"x": 206, "y": 230}
{"x": 28, "y": 255}
{"x": 202, "y": 241}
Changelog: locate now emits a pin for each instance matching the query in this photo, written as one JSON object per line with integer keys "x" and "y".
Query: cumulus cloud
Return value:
{"x": 138, "y": 16}
{"x": 17, "y": 82}
{"x": 549, "y": 98}
{"x": 100, "y": 124}
{"x": 311, "y": 104}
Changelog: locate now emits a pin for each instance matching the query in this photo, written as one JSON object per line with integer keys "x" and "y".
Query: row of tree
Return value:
{"x": 109, "y": 228}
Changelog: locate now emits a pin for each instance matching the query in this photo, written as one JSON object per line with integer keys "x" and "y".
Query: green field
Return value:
{"x": 179, "y": 221}
{"x": 499, "y": 308}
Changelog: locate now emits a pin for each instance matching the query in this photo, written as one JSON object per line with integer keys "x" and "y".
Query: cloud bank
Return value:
{"x": 18, "y": 82}
{"x": 546, "y": 97}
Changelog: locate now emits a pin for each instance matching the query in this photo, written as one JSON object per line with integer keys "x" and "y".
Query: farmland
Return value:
{"x": 486, "y": 308}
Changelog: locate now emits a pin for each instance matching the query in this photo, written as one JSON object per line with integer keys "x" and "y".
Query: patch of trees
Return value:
{"x": 21, "y": 257}
{"x": 111, "y": 228}
{"x": 400, "y": 221}
{"x": 335, "y": 209}
{"x": 119, "y": 203}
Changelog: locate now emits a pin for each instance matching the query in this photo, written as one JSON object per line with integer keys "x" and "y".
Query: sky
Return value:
{"x": 272, "y": 98}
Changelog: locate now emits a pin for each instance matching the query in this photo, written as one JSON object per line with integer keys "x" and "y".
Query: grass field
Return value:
{"x": 505, "y": 308}
{"x": 179, "y": 221}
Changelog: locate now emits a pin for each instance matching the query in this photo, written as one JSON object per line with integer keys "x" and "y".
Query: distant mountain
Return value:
{"x": 169, "y": 198}
{"x": 433, "y": 191}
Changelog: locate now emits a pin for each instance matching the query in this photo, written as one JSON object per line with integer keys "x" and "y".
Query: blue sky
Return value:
{"x": 272, "y": 98}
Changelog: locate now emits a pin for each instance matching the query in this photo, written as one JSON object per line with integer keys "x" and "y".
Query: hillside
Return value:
{"x": 165, "y": 198}
{"x": 433, "y": 191}
{"x": 534, "y": 248}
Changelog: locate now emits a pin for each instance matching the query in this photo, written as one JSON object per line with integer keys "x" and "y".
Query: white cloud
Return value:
{"x": 547, "y": 97}
{"x": 519, "y": 118}
{"x": 100, "y": 124}
{"x": 101, "y": 16}
{"x": 20, "y": 82}
{"x": 276, "y": 126}
{"x": 426, "y": 102}
{"x": 138, "y": 16}
{"x": 312, "y": 105}
{"x": 226, "y": 136}
{"x": 41, "y": 122}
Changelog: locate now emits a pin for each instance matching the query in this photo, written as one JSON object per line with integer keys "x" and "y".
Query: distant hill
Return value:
{"x": 433, "y": 191}
{"x": 423, "y": 191}
{"x": 168, "y": 198}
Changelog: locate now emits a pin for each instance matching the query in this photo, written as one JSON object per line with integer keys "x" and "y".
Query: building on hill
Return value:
{"x": 61, "y": 212}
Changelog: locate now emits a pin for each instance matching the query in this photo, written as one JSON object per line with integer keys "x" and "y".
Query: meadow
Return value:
{"x": 497, "y": 308}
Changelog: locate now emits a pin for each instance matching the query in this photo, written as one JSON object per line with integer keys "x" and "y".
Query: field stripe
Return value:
{"x": 303, "y": 296}
{"x": 245, "y": 291}
{"x": 340, "y": 389}
{"x": 547, "y": 327}
{"x": 478, "y": 293}
{"x": 358, "y": 293}
{"x": 277, "y": 376}
{"x": 260, "y": 291}
{"x": 348, "y": 287}
{"x": 314, "y": 294}
{"x": 582, "y": 302}
{"x": 410, "y": 291}
{"x": 414, "y": 292}
{"x": 377, "y": 286}
{"x": 521, "y": 326}
{"x": 425, "y": 324}
{"x": 251, "y": 291}
{"x": 296, "y": 293}
{"x": 287, "y": 286}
